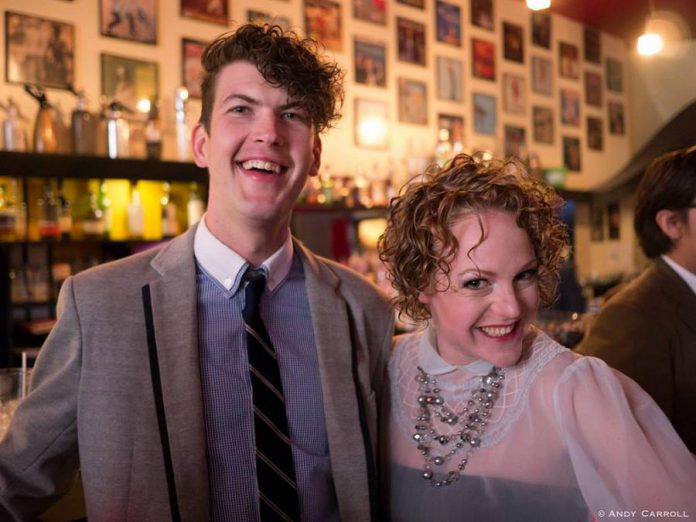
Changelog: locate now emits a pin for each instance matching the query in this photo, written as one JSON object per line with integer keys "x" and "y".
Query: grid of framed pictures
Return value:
{"x": 514, "y": 94}
{"x": 410, "y": 37}
{"x": 568, "y": 61}
{"x": 595, "y": 134}
{"x": 413, "y": 102}
{"x": 485, "y": 113}
{"x": 513, "y": 42}
{"x": 135, "y": 21}
{"x": 482, "y": 13}
{"x": 541, "y": 29}
{"x": 570, "y": 107}
{"x": 542, "y": 75}
{"x": 127, "y": 80}
{"x": 191, "y": 68}
{"x": 454, "y": 126}
{"x": 323, "y": 23}
{"x": 215, "y": 11}
{"x": 542, "y": 120}
{"x": 370, "y": 60}
{"x": 374, "y": 11}
{"x": 593, "y": 89}
{"x": 449, "y": 79}
{"x": 515, "y": 142}
{"x": 571, "y": 153}
{"x": 483, "y": 59}
{"x": 448, "y": 23}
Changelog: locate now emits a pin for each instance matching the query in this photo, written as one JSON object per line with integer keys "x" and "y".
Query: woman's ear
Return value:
{"x": 671, "y": 223}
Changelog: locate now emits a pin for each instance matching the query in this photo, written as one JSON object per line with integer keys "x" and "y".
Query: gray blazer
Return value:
{"x": 116, "y": 392}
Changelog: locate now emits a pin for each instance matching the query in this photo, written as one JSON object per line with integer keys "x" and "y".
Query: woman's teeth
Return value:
{"x": 497, "y": 331}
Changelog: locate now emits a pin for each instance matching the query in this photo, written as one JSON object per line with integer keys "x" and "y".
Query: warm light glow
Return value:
{"x": 650, "y": 44}
{"x": 143, "y": 105}
{"x": 538, "y": 5}
{"x": 373, "y": 131}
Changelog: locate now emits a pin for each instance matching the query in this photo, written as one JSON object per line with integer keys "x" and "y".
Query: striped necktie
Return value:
{"x": 275, "y": 471}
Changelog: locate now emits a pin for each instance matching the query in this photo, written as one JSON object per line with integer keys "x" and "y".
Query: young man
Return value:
{"x": 648, "y": 329}
{"x": 150, "y": 382}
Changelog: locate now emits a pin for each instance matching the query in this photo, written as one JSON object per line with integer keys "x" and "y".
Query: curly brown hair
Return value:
{"x": 284, "y": 60}
{"x": 418, "y": 245}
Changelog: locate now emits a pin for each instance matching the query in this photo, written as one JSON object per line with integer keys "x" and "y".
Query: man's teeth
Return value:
{"x": 497, "y": 331}
{"x": 262, "y": 165}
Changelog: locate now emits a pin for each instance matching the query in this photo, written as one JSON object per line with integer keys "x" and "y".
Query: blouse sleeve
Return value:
{"x": 625, "y": 453}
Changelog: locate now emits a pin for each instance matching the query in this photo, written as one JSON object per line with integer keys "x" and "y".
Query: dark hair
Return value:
{"x": 668, "y": 183}
{"x": 418, "y": 245}
{"x": 284, "y": 60}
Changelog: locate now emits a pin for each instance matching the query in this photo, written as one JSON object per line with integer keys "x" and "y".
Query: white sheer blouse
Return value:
{"x": 568, "y": 439}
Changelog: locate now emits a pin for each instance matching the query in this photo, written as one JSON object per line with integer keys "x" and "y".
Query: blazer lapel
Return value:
{"x": 678, "y": 290}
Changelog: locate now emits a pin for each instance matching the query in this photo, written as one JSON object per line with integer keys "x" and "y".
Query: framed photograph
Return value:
{"x": 262, "y": 18}
{"x": 541, "y": 29}
{"x": 596, "y": 222}
{"x": 485, "y": 114}
{"x": 448, "y": 23}
{"x": 39, "y": 51}
{"x": 214, "y": 11}
{"x": 571, "y": 153}
{"x": 614, "y": 75}
{"x": 593, "y": 49}
{"x": 542, "y": 119}
{"x": 371, "y": 124}
{"x": 370, "y": 63}
{"x": 413, "y": 102}
{"x": 515, "y": 142}
{"x": 542, "y": 75}
{"x": 323, "y": 23}
{"x": 513, "y": 42}
{"x": 483, "y": 59}
{"x": 617, "y": 125}
{"x": 418, "y": 4}
{"x": 614, "y": 220}
{"x": 455, "y": 127}
{"x": 127, "y": 80}
{"x": 570, "y": 107}
{"x": 568, "y": 62}
{"x": 410, "y": 36}
{"x": 593, "y": 89}
{"x": 482, "y": 13}
{"x": 374, "y": 11}
{"x": 449, "y": 79}
{"x": 191, "y": 68}
{"x": 135, "y": 21}
{"x": 595, "y": 134}
{"x": 514, "y": 94}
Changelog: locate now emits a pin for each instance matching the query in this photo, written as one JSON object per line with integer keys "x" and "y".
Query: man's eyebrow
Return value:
{"x": 242, "y": 97}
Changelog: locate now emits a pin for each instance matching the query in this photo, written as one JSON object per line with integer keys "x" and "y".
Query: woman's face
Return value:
{"x": 493, "y": 295}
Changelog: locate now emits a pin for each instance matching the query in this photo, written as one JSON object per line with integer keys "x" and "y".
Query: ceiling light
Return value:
{"x": 650, "y": 44}
{"x": 538, "y": 5}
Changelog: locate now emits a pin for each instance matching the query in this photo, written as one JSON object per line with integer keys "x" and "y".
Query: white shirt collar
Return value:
{"x": 688, "y": 277}
{"x": 433, "y": 364}
{"x": 227, "y": 267}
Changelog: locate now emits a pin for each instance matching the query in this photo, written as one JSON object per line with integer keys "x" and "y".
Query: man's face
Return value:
{"x": 259, "y": 151}
{"x": 684, "y": 251}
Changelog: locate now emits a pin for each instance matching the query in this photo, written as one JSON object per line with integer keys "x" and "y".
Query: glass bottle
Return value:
{"x": 195, "y": 206}
{"x": 104, "y": 204}
{"x": 153, "y": 134}
{"x": 170, "y": 225}
{"x": 65, "y": 218}
{"x": 136, "y": 222}
{"x": 93, "y": 223}
{"x": 49, "y": 214}
{"x": 8, "y": 217}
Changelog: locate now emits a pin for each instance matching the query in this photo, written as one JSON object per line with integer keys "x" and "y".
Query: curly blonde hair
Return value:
{"x": 418, "y": 245}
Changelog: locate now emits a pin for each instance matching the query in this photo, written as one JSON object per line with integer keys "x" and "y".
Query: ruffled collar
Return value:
{"x": 433, "y": 364}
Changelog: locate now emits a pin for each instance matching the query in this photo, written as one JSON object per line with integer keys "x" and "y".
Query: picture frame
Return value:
{"x": 542, "y": 75}
{"x": 262, "y": 18}
{"x": 323, "y": 23}
{"x": 371, "y": 124}
{"x": 592, "y": 45}
{"x": 593, "y": 89}
{"x": 595, "y": 133}
{"x": 216, "y": 12}
{"x": 455, "y": 127}
{"x": 449, "y": 79}
{"x": 514, "y": 94}
{"x": 617, "y": 123}
{"x": 418, "y": 4}
{"x": 370, "y": 59}
{"x": 413, "y": 101}
{"x": 448, "y": 23}
{"x": 513, "y": 42}
{"x": 135, "y": 21}
{"x": 614, "y": 220}
{"x": 570, "y": 107}
{"x": 373, "y": 11}
{"x": 410, "y": 37}
{"x": 596, "y": 222}
{"x": 482, "y": 14}
{"x": 543, "y": 126}
{"x": 568, "y": 61}
{"x": 541, "y": 29}
{"x": 483, "y": 59}
{"x": 614, "y": 72}
{"x": 485, "y": 114}
{"x": 571, "y": 153}
{"x": 31, "y": 57}
{"x": 128, "y": 80}
{"x": 515, "y": 142}
{"x": 191, "y": 67}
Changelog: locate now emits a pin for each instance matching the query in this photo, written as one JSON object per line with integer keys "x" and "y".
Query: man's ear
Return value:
{"x": 199, "y": 142}
{"x": 316, "y": 156}
{"x": 671, "y": 223}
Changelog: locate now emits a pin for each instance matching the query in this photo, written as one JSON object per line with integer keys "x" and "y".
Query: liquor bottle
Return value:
{"x": 93, "y": 223}
{"x": 170, "y": 225}
{"x": 117, "y": 132}
{"x": 49, "y": 214}
{"x": 104, "y": 205}
{"x": 195, "y": 206}
{"x": 136, "y": 221}
{"x": 14, "y": 130}
{"x": 83, "y": 127}
{"x": 65, "y": 218}
{"x": 8, "y": 217}
{"x": 153, "y": 134}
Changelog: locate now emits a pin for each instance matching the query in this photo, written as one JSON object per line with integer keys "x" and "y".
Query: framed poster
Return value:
{"x": 513, "y": 42}
{"x": 410, "y": 37}
{"x": 370, "y": 63}
{"x": 515, "y": 142}
{"x": 371, "y": 124}
{"x": 542, "y": 75}
{"x": 418, "y": 4}
{"x": 413, "y": 102}
{"x": 542, "y": 119}
{"x": 127, "y": 80}
{"x": 614, "y": 75}
{"x": 614, "y": 220}
{"x": 455, "y": 128}
{"x": 592, "y": 41}
{"x": 191, "y": 68}
{"x": 135, "y": 21}
{"x": 514, "y": 94}
{"x": 593, "y": 89}
{"x": 482, "y": 13}
{"x": 596, "y": 222}
{"x": 449, "y": 79}
{"x": 213, "y": 11}
{"x": 323, "y": 23}
{"x": 541, "y": 29}
{"x": 571, "y": 153}
{"x": 617, "y": 125}
{"x": 568, "y": 62}
{"x": 448, "y": 23}
{"x": 483, "y": 59}
{"x": 262, "y": 18}
{"x": 374, "y": 11}
{"x": 39, "y": 51}
{"x": 485, "y": 114}
{"x": 595, "y": 134}
{"x": 570, "y": 107}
